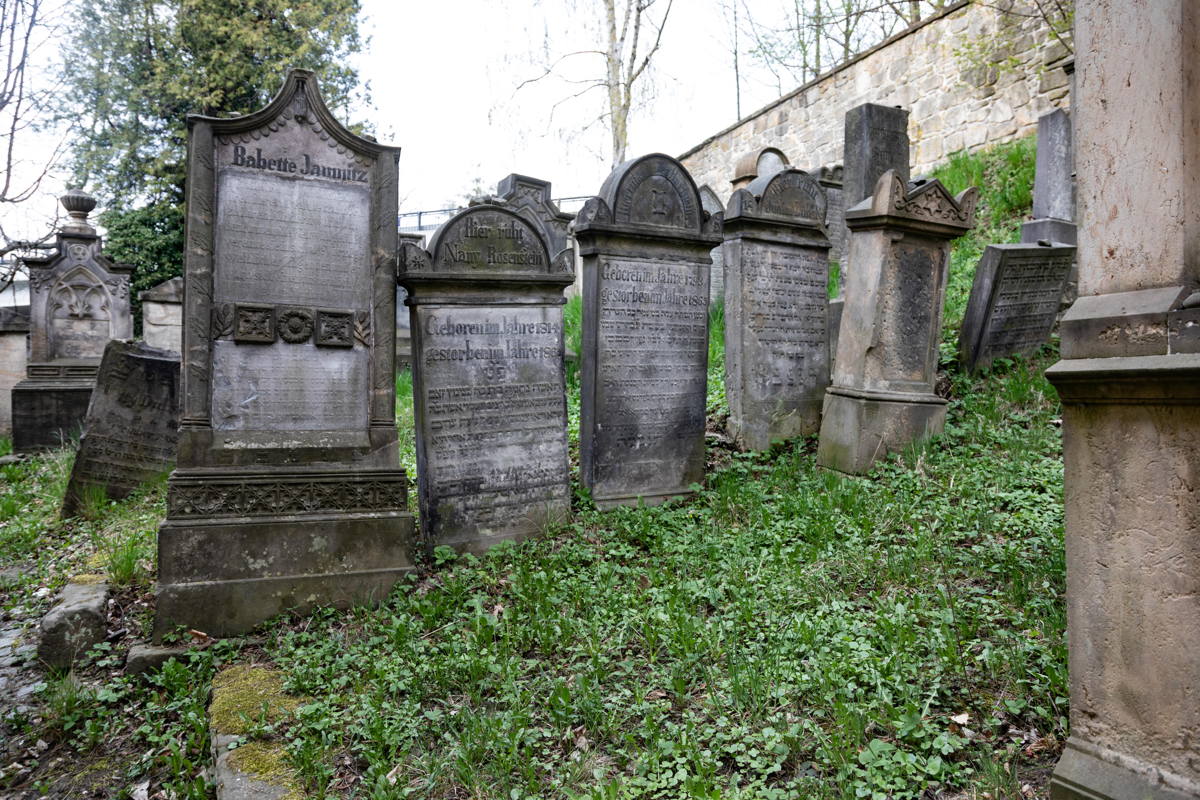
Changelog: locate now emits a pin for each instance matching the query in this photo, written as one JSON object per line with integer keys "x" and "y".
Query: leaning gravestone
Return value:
{"x": 78, "y": 301}
{"x": 645, "y": 242}
{"x": 132, "y": 425}
{"x": 488, "y": 378}
{"x": 288, "y": 491}
{"x": 776, "y": 307}
{"x": 882, "y": 397}
{"x": 1014, "y": 301}
{"x": 162, "y": 315}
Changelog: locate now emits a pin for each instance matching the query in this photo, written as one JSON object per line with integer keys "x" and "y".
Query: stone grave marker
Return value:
{"x": 78, "y": 301}
{"x": 716, "y": 276}
{"x": 776, "y": 306}
{"x": 530, "y": 198}
{"x": 645, "y": 242}
{"x": 488, "y": 378}
{"x": 830, "y": 178}
{"x": 14, "y": 346}
{"x": 876, "y": 142}
{"x": 403, "y": 322}
{"x": 882, "y": 394}
{"x": 132, "y": 425}
{"x": 1014, "y": 301}
{"x": 1053, "y": 183}
{"x": 162, "y": 315}
{"x": 758, "y": 164}
{"x": 288, "y": 491}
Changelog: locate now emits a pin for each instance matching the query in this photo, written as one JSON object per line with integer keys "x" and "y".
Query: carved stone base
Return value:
{"x": 1088, "y": 772}
{"x": 46, "y": 414}
{"x": 237, "y": 549}
{"x": 859, "y": 428}
{"x": 606, "y": 503}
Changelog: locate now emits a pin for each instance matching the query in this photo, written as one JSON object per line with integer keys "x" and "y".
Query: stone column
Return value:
{"x": 882, "y": 396}
{"x": 1130, "y": 386}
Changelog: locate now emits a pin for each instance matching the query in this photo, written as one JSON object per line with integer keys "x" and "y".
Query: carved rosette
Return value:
{"x": 295, "y": 325}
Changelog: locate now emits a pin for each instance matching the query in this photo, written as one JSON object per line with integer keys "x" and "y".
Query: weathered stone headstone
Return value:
{"x": 645, "y": 242}
{"x": 78, "y": 301}
{"x": 1014, "y": 301}
{"x": 1053, "y": 183}
{"x": 876, "y": 142}
{"x": 403, "y": 320}
{"x": 830, "y": 178}
{"x": 287, "y": 491}
{"x": 162, "y": 315}
{"x": 882, "y": 397}
{"x": 1129, "y": 382}
{"x": 758, "y": 164}
{"x": 132, "y": 426}
{"x": 716, "y": 276}
{"x": 776, "y": 307}
{"x": 14, "y": 347}
{"x": 488, "y": 378}
{"x": 530, "y": 198}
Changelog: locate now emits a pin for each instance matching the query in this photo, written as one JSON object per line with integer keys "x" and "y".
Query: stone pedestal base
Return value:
{"x": 606, "y": 503}
{"x": 1050, "y": 230}
{"x": 1088, "y": 772}
{"x": 858, "y": 428}
{"x": 48, "y": 413}
{"x": 239, "y": 549}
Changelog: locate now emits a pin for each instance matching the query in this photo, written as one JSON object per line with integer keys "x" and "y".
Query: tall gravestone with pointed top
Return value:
{"x": 882, "y": 395}
{"x": 776, "y": 306}
{"x": 288, "y": 491}
{"x": 488, "y": 378}
{"x": 78, "y": 301}
{"x": 645, "y": 242}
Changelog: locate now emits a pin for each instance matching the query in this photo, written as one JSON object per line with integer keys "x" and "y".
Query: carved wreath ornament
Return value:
{"x": 295, "y": 325}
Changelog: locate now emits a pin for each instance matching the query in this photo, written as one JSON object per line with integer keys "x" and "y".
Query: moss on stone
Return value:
{"x": 88, "y": 579}
{"x": 239, "y": 695}
{"x": 267, "y": 762}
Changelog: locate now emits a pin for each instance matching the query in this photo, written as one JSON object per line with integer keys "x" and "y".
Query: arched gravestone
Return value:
{"x": 758, "y": 164}
{"x": 882, "y": 394}
{"x": 79, "y": 301}
{"x": 776, "y": 307}
{"x": 488, "y": 380}
{"x": 645, "y": 242}
{"x": 288, "y": 491}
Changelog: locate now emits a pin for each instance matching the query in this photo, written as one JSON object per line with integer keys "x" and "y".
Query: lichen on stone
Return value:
{"x": 88, "y": 579}
{"x": 267, "y": 762}
{"x": 240, "y": 694}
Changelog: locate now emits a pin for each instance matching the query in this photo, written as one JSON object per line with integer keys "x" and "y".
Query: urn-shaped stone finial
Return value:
{"x": 78, "y": 204}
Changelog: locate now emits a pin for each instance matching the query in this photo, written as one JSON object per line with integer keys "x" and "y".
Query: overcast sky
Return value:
{"x": 444, "y": 78}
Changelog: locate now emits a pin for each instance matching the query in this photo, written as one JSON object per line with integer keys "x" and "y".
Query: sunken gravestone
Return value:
{"x": 882, "y": 396}
{"x": 288, "y": 491}
{"x": 162, "y": 315}
{"x": 776, "y": 307}
{"x": 645, "y": 242}
{"x": 78, "y": 301}
{"x": 488, "y": 378}
{"x": 132, "y": 425}
{"x": 1014, "y": 301}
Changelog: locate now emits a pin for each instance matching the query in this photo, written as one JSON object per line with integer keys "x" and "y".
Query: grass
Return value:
{"x": 786, "y": 633}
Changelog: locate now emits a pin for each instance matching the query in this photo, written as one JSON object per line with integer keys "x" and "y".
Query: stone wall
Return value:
{"x": 953, "y": 105}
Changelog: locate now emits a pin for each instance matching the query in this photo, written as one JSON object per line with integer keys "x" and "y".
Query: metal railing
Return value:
{"x": 422, "y": 221}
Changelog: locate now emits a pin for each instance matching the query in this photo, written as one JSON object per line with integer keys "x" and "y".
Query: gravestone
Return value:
{"x": 78, "y": 301}
{"x": 882, "y": 395}
{"x": 14, "y": 346}
{"x": 132, "y": 425}
{"x": 403, "y": 322}
{"x": 1053, "y": 183}
{"x": 530, "y": 198}
{"x": 646, "y": 243}
{"x": 488, "y": 378}
{"x": 1014, "y": 301}
{"x": 776, "y": 308}
{"x": 716, "y": 276}
{"x": 162, "y": 315}
{"x": 830, "y": 178}
{"x": 758, "y": 164}
{"x": 288, "y": 491}
{"x": 876, "y": 142}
